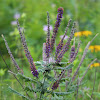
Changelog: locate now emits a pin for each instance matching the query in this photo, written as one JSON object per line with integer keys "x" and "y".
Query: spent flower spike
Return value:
{"x": 9, "y": 51}
{"x": 27, "y": 53}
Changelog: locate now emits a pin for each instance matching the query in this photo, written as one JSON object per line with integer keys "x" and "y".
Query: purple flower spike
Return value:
{"x": 57, "y": 24}
{"x": 47, "y": 49}
{"x": 59, "y": 47}
{"x": 48, "y": 38}
{"x": 66, "y": 46}
{"x": 34, "y": 72}
{"x": 55, "y": 85}
{"x": 71, "y": 56}
{"x": 72, "y": 51}
{"x": 75, "y": 54}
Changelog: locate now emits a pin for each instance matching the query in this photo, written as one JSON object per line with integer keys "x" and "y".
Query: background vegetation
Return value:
{"x": 33, "y": 17}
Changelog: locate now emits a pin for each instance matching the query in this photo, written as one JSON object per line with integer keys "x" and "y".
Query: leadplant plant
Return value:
{"x": 51, "y": 76}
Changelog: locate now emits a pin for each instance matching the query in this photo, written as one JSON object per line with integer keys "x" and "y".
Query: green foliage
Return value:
{"x": 64, "y": 68}
{"x": 63, "y": 93}
{"x": 14, "y": 91}
{"x": 2, "y": 72}
{"x": 26, "y": 79}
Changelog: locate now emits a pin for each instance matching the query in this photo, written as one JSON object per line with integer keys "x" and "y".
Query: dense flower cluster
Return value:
{"x": 83, "y": 33}
{"x": 95, "y": 48}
